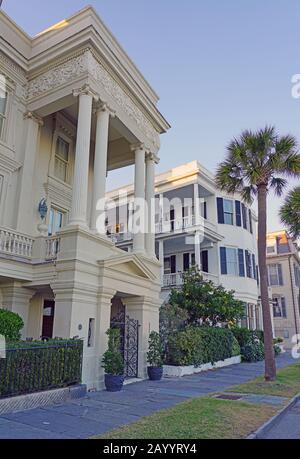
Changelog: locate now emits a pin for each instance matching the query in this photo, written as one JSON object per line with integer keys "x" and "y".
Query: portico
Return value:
{"x": 88, "y": 111}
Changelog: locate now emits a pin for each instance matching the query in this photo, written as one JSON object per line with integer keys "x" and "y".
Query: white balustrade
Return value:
{"x": 17, "y": 244}
{"x": 52, "y": 247}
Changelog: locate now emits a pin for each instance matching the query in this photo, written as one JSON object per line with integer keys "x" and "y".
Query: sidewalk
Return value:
{"x": 101, "y": 412}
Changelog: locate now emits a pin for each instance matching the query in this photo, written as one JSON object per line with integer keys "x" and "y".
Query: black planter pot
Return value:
{"x": 155, "y": 373}
{"x": 114, "y": 383}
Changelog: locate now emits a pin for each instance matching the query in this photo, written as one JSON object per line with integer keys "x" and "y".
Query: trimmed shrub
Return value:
{"x": 253, "y": 352}
{"x": 246, "y": 336}
{"x": 199, "y": 345}
{"x": 277, "y": 350}
{"x": 112, "y": 361}
{"x": 11, "y": 325}
{"x": 37, "y": 366}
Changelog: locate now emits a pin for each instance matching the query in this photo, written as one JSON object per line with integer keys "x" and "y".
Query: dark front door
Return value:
{"x": 48, "y": 319}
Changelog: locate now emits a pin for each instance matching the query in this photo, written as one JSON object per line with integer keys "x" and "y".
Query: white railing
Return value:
{"x": 172, "y": 280}
{"x": 52, "y": 247}
{"x": 120, "y": 237}
{"x": 176, "y": 279}
{"x": 14, "y": 243}
{"x": 171, "y": 226}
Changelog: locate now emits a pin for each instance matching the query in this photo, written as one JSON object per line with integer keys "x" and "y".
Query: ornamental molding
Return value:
{"x": 87, "y": 64}
{"x": 8, "y": 62}
{"x": 9, "y": 164}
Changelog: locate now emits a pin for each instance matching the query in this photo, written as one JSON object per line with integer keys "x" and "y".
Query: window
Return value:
{"x": 249, "y": 269}
{"x": 229, "y": 261}
{"x": 170, "y": 264}
{"x": 61, "y": 159}
{"x": 56, "y": 221}
{"x": 91, "y": 333}
{"x": 270, "y": 249}
{"x": 275, "y": 275}
{"x": 279, "y": 307}
{"x": 297, "y": 275}
{"x": 3, "y": 108}
{"x": 228, "y": 212}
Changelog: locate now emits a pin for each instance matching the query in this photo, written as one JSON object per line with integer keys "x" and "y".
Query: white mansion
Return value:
{"x": 72, "y": 107}
{"x": 225, "y": 249}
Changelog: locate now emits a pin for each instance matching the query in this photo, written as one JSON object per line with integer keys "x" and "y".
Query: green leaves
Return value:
{"x": 290, "y": 212}
{"x": 11, "y": 325}
{"x": 257, "y": 158}
{"x": 113, "y": 362}
{"x": 155, "y": 352}
{"x": 205, "y": 302}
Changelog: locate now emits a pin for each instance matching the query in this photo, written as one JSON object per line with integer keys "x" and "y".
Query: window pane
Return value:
{"x": 228, "y": 219}
{"x": 231, "y": 255}
{"x": 60, "y": 170}
{"x": 62, "y": 149}
{"x": 228, "y": 206}
{"x": 3, "y": 102}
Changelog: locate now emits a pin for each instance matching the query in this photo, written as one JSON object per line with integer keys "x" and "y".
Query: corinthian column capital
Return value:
{"x": 101, "y": 107}
{"x": 85, "y": 90}
{"x": 34, "y": 117}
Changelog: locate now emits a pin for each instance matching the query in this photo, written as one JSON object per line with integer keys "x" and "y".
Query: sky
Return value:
{"x": 218, "y": 66}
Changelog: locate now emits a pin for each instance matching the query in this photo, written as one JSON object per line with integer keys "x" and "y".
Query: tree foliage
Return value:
{"x": 11, "y": 325}
{"x": 290, "y": 212}
{"x": 204, "y": 302}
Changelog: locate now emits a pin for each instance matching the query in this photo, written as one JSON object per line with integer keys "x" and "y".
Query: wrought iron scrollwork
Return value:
{"x": 129, "y": 331}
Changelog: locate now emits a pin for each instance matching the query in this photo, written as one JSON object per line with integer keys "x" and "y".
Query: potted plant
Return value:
{"x": 113, "y": 362}
{"x": 155, "y": 357}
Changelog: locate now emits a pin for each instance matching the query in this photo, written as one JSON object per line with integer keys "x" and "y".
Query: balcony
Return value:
{"x": 15, "y": 244}
{"x": 176, "y": 279}
{"x": 20, "y": 246}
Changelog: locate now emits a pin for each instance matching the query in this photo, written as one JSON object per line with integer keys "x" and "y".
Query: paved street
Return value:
{"x": 100, "y": 412}
{"x": 288, "y": 427}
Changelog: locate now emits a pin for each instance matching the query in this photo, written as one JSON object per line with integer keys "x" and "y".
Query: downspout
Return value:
{"x": 293, "y": 295}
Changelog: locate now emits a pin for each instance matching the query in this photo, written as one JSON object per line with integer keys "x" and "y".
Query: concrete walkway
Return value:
{"x": 100, "y": 412}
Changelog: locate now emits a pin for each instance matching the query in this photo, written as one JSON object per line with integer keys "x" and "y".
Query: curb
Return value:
{"x": 273, "y": 421}
{"x": 41, "y": 399}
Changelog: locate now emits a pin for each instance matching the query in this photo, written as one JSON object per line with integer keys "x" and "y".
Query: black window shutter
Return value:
{"x": 248, "y": 263}
{"x": 241, "y": 263}
{"x": 186, "y": 261}
{"x": 204, "y": 261}
{"x": 238, "y": 215}
{"x": 250, "y": 221}
{"x": 254, "y": 266}
{"x": 205, "y": 210}
{"x": 223, "y": 260}
{"x": 173, "y": 264}
{"x": 283, "y": 307}
{"x": 244, "y": 216}
{"x": 220, "y": 207}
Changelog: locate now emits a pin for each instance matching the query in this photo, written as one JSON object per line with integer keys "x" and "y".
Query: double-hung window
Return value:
{"x": 275, "y": 274}
{"x": 228, "y": 212}
{"x": 279, "y": 307}
{"x": 62, "y": 152}
{"x": 56, "y": 221}
{"x": 3, "y": 110}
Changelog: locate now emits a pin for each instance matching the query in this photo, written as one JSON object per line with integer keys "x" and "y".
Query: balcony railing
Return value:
{"x": 120, "y": 237}
{"x": 52, "y": 247}
{"x": 13, "y": 243}
{"x": 176, "y": 279}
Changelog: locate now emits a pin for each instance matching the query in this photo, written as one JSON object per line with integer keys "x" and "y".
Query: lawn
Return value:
{"x": 286, "y": 385}
{"x": 199, "y": 418}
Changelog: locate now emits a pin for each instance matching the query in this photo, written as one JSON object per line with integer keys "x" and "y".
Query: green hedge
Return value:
{"x": 199, "y": 345}
{"x": 246, "y": 336}
{"x": 11, "y": 325}
{"x": 37, "y": 366}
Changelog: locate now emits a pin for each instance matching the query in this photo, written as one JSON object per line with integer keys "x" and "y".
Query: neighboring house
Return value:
{"x": 284, "y": 284}
{"x": 72, "y": 107}
{"x": 227, "y": 253}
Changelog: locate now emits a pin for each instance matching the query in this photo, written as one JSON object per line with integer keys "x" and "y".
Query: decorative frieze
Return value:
{"x": 87, "y": 64}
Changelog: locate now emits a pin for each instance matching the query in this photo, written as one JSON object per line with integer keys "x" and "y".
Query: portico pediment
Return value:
{"x": 130, "y": 264}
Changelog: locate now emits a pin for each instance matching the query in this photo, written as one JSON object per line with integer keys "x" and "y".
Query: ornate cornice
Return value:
{"x": 87, "y": 64}
{"x": 15, "y": 68}
{"x": 104, "y": 107}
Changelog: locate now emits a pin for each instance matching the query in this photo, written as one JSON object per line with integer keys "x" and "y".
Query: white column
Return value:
{"x": 139, "y": 203}
{"x": 197, "y": 223}
{"x": 100, "y": 167}
{"x": 162, "y": 260}
{"x": 82, "y": 156}
{"x": 150, "y": 203}
{"x": 26, "y": 200}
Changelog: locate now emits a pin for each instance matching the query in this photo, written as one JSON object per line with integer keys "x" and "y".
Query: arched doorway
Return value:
{"x": 129, "y": 330}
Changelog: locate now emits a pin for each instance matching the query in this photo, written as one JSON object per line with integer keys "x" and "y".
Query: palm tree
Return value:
{"x": 290, "y": 212}
{"x": 257, "y": 163}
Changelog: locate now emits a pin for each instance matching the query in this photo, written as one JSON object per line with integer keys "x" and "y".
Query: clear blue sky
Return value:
{"x": 218, "y": 66}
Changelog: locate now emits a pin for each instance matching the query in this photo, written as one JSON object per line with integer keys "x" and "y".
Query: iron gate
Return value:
{"x": 129, "y": 332}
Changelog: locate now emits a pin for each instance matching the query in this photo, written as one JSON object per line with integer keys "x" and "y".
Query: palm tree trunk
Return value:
{"x": 270, "y": 365}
